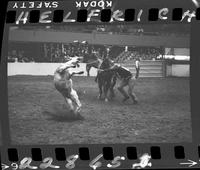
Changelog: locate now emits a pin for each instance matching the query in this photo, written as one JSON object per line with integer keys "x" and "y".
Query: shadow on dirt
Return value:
{"x": 62, "y": 114}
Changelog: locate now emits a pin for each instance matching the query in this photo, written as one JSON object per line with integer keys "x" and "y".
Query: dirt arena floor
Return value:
{"x": 38, "y": 114}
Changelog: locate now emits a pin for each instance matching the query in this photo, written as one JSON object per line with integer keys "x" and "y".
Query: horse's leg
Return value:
{"x": 61, "y": 87}
{"x": 112, "y": 93}
{"x": 96, "y": 78}
{"x": 113, "y": 83}
{"x": 70, "y": 104}
{"x": 106, "y": 87}
{"x": 100, "y": 89}
{"x": 76, "y": 100}
{"x": 88, "y": 70}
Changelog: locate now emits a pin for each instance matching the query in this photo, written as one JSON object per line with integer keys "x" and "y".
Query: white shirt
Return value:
{"x": 137, "y": 64}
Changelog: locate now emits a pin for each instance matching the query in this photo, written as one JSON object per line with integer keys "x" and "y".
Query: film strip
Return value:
{"x": 105, "y": 15}
{"x": 129, "y": 75}
{"x": 62, "y": 157}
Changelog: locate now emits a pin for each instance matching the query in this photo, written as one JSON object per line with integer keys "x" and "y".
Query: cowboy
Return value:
{"x": 126, "y": 79}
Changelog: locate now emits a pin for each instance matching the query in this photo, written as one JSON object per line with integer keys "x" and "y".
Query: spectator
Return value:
{"x": 137, "y": 67}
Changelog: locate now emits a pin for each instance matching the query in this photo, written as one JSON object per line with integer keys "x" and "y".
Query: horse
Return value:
{"x": 96, "y": 63}
{"x": 106, "y": 79}
{"x": 63, "y": 83}
{"x": 106, "y": 82}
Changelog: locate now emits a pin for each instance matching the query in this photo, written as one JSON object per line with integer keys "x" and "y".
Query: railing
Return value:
{"x": 148, "y": 69}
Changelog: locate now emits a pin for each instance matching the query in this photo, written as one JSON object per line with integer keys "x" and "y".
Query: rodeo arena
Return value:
{"x": 99, "y": 84}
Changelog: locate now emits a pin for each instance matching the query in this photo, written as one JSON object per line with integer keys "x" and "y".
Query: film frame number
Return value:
{"x": 47, "y": 162}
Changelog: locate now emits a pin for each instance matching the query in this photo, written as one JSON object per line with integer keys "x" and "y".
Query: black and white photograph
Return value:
{"x": 99, "y": 84}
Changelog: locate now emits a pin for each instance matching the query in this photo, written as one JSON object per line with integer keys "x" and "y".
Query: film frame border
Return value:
{"x": 195, "y": 151}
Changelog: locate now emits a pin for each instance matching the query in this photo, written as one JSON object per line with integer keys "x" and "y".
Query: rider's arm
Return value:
{"x": 108, "y": 69}
{"x": 111, "y": 68}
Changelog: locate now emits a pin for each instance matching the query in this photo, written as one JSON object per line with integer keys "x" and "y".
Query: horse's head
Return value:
{"x": 115, "y": 66}
{"x": 74, "y": 61}
{"x": 106, "y": 63}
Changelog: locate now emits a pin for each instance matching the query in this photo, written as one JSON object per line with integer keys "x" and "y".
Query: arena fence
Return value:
{"x": 148, "y": 69}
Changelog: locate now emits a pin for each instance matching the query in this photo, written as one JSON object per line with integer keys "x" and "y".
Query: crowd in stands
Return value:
{"x": 58, "y": 52}
{"x": 142, "y": 53}
{"x": 18, "y": 56}
{"x": 137, "y": 29}
{"x": 146, "y": 53}
{"x": 52, "y": 52}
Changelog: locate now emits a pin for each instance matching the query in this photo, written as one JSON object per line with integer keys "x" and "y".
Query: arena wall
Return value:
{"x": 44, "y": 69}
{"x": 41, "y": 69}
{"x": 180, "y": 70}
